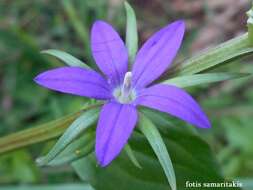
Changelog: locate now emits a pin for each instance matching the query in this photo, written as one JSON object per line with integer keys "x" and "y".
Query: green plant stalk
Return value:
{"x": 224, "y": 52}
{"x": 38, "y": 134}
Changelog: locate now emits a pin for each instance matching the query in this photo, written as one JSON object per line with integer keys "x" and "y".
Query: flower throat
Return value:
{"x": 125, "y": 94}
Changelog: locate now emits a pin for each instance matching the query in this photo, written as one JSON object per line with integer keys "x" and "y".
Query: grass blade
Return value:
{"x": 80, "y": 186}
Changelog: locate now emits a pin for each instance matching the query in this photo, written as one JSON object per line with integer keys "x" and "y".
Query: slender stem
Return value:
{"x": 38, "y": 134}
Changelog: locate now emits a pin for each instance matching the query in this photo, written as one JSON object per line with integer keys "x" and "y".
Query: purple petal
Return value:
{"x": 109, "y": 51}
{"x": 175, "y": 101}
{"x": 157, "y": 54}
{"x": 75, "y": 80}
{"x": 115, "y": 126}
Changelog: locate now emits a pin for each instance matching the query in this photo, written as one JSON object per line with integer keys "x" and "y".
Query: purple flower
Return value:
{"x": 123, "y": 90}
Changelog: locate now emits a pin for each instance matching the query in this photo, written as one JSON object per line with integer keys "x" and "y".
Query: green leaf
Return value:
{"x": 74, "y": 130}
{"x": 250, "y": 24}
{"x": 131, "y": 32}
{"x": 247, "y": 183}
{"x": 86, "y": 168}
{"x": 49, "y": 187}
{"x": 76, "y": 150}
{"x": 223, "y": 53}
{"x": 65, "y": 57}
{"x": 23, "y": 167}
{"x": 197, "y": 79}
{"x": 131, "y": 156}
{"x": 157, "y": 144}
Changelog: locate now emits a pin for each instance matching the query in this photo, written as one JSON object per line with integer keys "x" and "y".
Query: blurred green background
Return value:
{"x": 27, "y": 27}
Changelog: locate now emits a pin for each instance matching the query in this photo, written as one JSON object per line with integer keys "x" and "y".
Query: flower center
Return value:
{"x": 125, "y": 94}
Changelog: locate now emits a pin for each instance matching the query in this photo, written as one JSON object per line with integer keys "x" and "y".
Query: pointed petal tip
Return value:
{"x": 99, "y": 23}
{"x": 101, "y": 160}
{"x": 205, "y": 124}
{"x": 208, "y": 125}
{"x": 180, "y": 24}
{"x": 104, "y": 164}
{"x": 96, "y": 24}
{"x": 37, "y": 79}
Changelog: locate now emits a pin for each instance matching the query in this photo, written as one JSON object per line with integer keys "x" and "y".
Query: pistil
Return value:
{"x": 126, "y": 87}
{"x": 125, "y": 93}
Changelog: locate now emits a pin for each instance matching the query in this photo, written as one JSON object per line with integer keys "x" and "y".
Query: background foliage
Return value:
{"x": 27, "y": 27}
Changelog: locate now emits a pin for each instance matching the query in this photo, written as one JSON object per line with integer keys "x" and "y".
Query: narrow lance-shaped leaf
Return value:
{"x": 74, "y": 130}
{"x": 76, "y": 150}
{"x": 131, "y": 32}
{"x": 227, "y": 51}
{"x": 197, "y": 79}
{"x": 250, "y": 25}
{"x": 157, "y": 144}
{"x": 74, "y": 186}
{"x": 131, "y": 156}
{"x": 65, "y": 57}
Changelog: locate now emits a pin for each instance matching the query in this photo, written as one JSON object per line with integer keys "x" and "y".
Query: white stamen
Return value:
{"x": 127, "y": 84}
{"x": 128, "y": 79}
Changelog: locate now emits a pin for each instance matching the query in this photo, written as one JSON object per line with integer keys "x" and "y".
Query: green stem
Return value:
{"x": 38, "y": 134}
